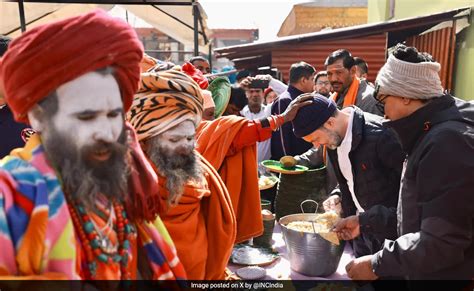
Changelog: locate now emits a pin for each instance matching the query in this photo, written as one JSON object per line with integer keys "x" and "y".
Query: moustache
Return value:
{"x": 102, "y": 152}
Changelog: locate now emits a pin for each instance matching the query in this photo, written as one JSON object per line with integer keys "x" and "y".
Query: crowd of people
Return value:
{"x": 116, "y": 165}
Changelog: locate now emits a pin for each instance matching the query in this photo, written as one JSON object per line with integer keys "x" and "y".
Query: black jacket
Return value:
{"x": 436, "y": 206}
{"x": 10, "y": 131}
{"x": 376, "y": 158}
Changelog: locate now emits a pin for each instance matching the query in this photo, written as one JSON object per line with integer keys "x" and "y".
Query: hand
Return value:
{"x": 361, "y": 269}
{"x": 245, "y": 83}
{"x": 347, "y": 228}
{"x": 333, "y": 203}
{"x": 295, "y": 105}
{"x": 264, "y": 77}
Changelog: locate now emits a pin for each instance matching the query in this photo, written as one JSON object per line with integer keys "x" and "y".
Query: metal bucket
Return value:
{"x": 309, "y": 253}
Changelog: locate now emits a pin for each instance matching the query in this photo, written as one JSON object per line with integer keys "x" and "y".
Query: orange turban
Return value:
{"x": 47, "y": 56}
{"x": 164, "y": 100}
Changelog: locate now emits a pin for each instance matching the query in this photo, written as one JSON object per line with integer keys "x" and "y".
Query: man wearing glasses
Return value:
{"x": 321, "y": 84}
{"x": 436, "y": 202}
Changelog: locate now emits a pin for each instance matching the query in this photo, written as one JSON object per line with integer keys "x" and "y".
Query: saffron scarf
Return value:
{"x": 349, "y": 99}
{"x": 351, "y": 96}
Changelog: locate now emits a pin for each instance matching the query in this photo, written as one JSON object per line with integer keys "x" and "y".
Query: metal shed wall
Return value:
{"x": 371, "y": 48}
{"x": 441, "y": 45}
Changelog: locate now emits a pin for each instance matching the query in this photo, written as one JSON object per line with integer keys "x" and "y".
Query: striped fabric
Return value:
{"x": 36, "y": 231}
{"x": 164, "y": 100}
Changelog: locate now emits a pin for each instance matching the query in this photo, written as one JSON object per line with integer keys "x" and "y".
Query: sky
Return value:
{"x": 266, "y": 15}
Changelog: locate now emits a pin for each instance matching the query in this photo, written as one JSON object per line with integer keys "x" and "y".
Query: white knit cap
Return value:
{"x": 410, "y": 80}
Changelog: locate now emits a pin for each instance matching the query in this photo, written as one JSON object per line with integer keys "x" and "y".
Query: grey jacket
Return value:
{"x": 436, "y": 203}
{"x": 364, "y": 100}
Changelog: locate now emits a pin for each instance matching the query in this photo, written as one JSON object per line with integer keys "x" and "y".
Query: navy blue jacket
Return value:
{"x": 292, "y": 145}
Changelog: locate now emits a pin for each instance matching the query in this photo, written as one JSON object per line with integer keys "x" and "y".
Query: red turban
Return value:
{"x": 194, "y": 73}
{"x": 47, "y": 56}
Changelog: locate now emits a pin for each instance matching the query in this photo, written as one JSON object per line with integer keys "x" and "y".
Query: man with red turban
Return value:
{"x": 204, "y": 211}
{"x": 79, "y": 201}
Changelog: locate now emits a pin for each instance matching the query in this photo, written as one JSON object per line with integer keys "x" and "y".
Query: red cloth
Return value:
{"x": 195, "y": 74}
{"x": 47, "y": 56}
{"x": 268, "y": 90}
{"x": 144, "y": 202}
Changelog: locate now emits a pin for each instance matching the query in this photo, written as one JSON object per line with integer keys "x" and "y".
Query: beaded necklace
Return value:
{"x": 91, "y": 243}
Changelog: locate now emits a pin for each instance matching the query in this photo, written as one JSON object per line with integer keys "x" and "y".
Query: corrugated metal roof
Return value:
{"x": 398, "y": 30}
{"x": 441, "y": 45}
{"x": 370, "y": 48}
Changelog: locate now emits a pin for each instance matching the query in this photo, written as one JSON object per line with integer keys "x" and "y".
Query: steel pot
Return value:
{"x": 309, "y": 253}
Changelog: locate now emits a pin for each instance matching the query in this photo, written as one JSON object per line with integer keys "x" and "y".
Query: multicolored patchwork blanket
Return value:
{"x": 37, "y": 235}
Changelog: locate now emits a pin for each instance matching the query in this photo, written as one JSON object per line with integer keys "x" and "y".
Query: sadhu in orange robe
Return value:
{"x": 210, "y": 218}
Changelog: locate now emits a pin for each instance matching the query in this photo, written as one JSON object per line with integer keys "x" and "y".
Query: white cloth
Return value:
{"x": 278, "y": 86}
{"x": 410, "y": 80}
{"x": 345, "y": 163}
{"x": 263, "y": 148}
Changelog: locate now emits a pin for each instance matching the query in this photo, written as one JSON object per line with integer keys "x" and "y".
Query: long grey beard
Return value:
{"x": 178, "y": 169}
{"x": 84, "y": 180}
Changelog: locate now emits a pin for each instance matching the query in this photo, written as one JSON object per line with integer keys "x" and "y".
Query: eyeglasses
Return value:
{"x": 381, "y": 102}
{"x": 322, "y": 83}
{"x": 379, "y": 98}
{"x": 376, "y": 91}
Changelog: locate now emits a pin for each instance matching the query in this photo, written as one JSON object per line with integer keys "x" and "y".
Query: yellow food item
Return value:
{"x": 265, "y": 181}
{"x": 330, "y": 236}
{"x": 322, "y": 226}
{"x": 288, "y": 161}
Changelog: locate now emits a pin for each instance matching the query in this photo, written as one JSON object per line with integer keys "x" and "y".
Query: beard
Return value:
{"x": 334, "y": 139}
{"x": 178, "y": 167}
{"x": 84, "y": 178}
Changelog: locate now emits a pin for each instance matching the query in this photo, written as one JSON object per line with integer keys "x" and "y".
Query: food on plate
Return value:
{"x": 267, "y": 214}
{"x": 288, "y": 161}
{"x": 267, "y": 181}
{"x": 250, "y": 255}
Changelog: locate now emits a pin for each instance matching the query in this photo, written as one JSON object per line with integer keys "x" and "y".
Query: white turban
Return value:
{"x": 410, "y": 80}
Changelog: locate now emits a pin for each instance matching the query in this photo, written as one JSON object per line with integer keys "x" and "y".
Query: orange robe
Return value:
{"x": 202, "y": 225}
{"x": 229, "y": 144}
{"x": 210, "y": 218}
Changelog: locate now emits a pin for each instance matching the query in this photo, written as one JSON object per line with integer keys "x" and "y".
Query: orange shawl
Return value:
{"x": 202, "y": 225}
{"x": 349, "y": 99}
{"x": 238, "y": 171}
{"x": 351, "y": 96}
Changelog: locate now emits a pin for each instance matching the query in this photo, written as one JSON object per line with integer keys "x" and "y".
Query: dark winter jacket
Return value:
{"x": 436, "y": 206}
{"x": 10, "y": 132}
{"x": 376, "y": 158}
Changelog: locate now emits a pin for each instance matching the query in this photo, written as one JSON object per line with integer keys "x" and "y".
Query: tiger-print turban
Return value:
{"x": 164, "y": 100}
{"x": 47, "y": 56}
